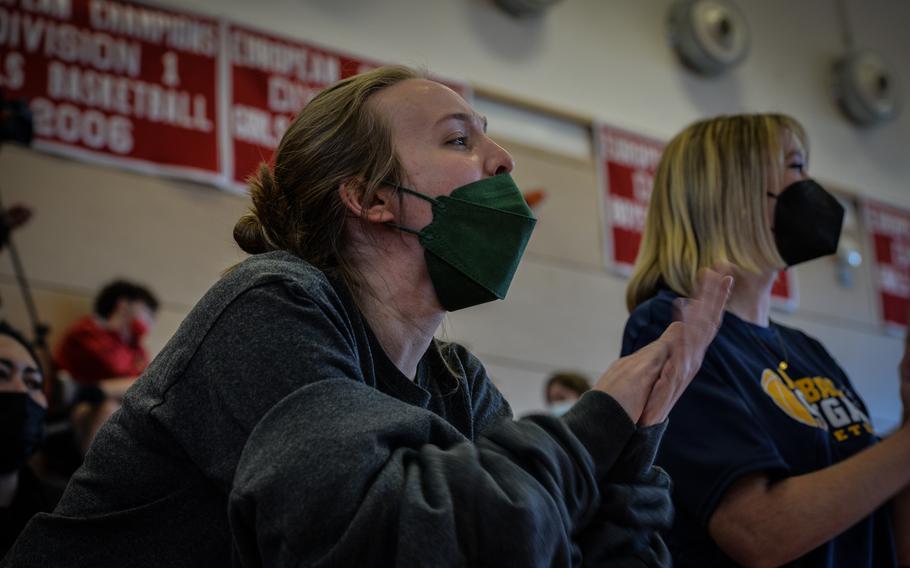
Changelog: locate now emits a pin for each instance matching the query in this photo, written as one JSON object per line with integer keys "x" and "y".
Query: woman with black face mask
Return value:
{"x": 22, "y": 408}
{"x": 771, "y": 450}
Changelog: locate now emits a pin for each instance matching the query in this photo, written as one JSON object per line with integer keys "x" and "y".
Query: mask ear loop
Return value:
{"x": 415, "y": 194}
{"x": 403, "y": 228}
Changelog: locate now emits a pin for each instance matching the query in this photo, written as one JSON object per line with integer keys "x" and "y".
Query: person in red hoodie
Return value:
{"x": 108, "y": 344}
{"x": 103, "y": 353}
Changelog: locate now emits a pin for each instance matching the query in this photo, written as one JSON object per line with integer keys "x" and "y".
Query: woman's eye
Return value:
{"x": 796, "y": 166}
{"x": 33, "y": 381}
{"x": 459, "y": 141}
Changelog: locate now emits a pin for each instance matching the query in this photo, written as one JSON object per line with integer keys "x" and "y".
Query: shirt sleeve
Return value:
{"x": 713, "y": 437}
{"x": 339, "y": 474}
{"x": 635, "y": 508}
{"x": 635, "y": 499}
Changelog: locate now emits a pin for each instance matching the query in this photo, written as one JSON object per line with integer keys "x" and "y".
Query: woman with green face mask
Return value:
{"x": 304, "y": 414}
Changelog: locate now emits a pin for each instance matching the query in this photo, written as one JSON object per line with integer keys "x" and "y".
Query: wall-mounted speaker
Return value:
{"x": 710, "y": 36}
{"x": 866, "y": 88}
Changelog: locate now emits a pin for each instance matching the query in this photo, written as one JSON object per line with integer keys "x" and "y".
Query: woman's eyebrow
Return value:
{"x": 27, "y": 369}
{"x": 466, "y": 118}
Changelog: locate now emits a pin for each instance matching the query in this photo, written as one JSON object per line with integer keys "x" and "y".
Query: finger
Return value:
{"x": 697, "y": 326}
{"x": 711, "y": 285}
{"x": 675, "y": 377}
{"x": 689, "y": 345}
{"x": 653, "y": 408}
{"x": 672, "y": 339}
{"x": 725, "y": 288}
{"x": 661, "y": 398}
{"x": 712, "y": 290}
{"x": 704, "y": 311}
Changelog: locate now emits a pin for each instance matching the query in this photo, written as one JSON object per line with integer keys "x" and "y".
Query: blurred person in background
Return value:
{"x": 107, "y": 344}
{"x": 563, "y": 389}
{"x": 103, "y": 353}
{"x": 22, "y": 409}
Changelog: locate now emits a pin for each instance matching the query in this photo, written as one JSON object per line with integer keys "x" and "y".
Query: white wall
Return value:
{"x": 92, "y": 224}
{"x": 600, "y": 58}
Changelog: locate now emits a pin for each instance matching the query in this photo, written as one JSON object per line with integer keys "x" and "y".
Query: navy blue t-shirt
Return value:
{"x": 742, "y": 414}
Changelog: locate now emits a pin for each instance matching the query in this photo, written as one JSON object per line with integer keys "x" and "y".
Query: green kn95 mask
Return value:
{"x": 475, "y": 240}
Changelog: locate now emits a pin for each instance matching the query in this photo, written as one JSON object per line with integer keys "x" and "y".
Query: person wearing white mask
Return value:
{"x": 563, "y": 389}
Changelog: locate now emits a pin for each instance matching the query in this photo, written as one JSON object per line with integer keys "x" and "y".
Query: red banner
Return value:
{"x": 784, "y": 291}
{"x": 157, "y": 90}
{"x": 626, "y": 165}
{"x": 116, "y": 82}
{"x": 889, "y": 240}
{"x": 272, "y": 78}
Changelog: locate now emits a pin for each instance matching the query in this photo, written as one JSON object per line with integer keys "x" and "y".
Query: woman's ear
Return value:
{"x": 381, "y": 207}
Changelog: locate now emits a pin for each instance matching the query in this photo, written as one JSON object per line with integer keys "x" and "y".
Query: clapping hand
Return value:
{"x": 697, "y": 320}
{"x": 648, "y": 382}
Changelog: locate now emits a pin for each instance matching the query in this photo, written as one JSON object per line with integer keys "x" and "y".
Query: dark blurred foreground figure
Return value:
{"x": 22, "y": 410}
{"x": 772, "y": 454}
{"x": 304, "y": 414}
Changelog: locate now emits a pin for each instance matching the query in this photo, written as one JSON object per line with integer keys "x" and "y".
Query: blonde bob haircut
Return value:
{"x": 709, "y": 204}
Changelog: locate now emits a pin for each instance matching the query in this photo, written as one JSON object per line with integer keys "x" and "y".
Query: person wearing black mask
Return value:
{"x": 771, "y": 450}
{"x": 22, "y": 408}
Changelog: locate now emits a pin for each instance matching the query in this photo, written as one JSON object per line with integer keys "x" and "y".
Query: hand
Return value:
{"x": 687, "y": 339}
{"x": 629, "y": 379}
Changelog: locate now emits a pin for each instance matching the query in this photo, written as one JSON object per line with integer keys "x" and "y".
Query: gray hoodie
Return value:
{"x": 273, "y": 430}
